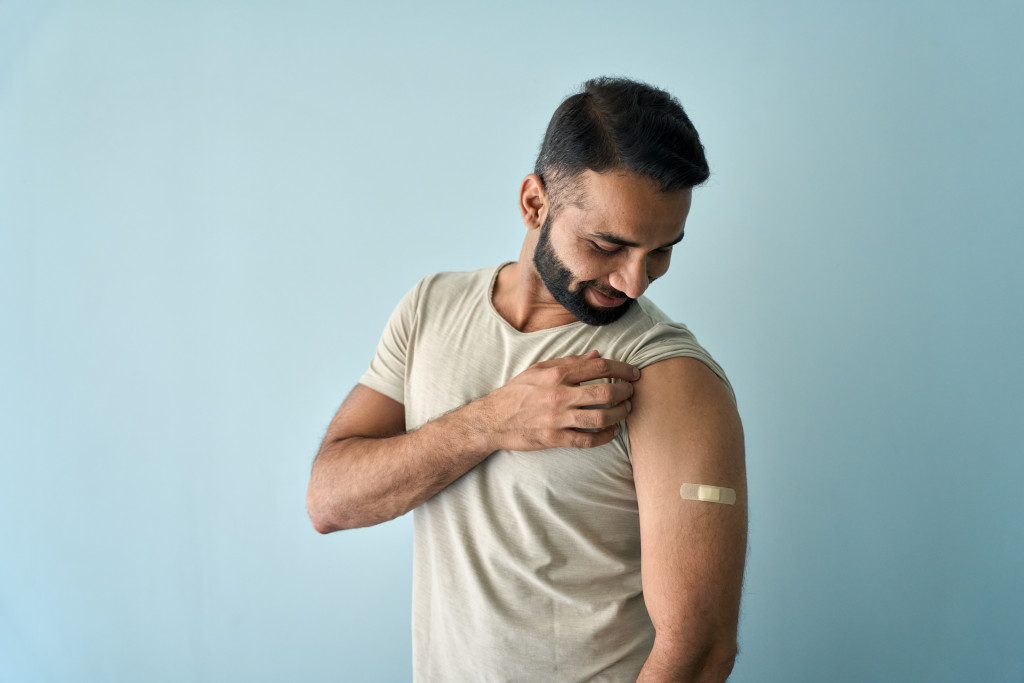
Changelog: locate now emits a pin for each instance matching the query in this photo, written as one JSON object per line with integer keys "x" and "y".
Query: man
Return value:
{"x": 549, "y": 425}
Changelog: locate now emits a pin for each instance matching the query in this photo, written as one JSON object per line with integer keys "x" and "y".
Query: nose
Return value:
{"x": 631, "y": 279}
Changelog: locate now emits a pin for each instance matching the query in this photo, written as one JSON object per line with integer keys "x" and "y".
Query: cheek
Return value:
{"x": 594, "y": 268}
{"x": 583, "y": 265}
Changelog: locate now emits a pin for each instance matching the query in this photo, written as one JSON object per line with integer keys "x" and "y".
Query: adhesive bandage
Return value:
{"x": 707, "y": 494}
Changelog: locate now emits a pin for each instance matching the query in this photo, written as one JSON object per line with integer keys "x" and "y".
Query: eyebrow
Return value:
{"x": 614, "y": 239}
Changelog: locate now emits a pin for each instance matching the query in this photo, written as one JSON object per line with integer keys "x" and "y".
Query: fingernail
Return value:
{"x": 629, "y": 406}
{"x": 616, "y": 430}
{"x": 636, "y": 373}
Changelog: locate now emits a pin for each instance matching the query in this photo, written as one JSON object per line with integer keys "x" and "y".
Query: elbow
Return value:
{"x": 718, "y": 664}
{"x": 321, "y": 526}
{"x": 318, "y": 515}
{"x": 328, "y": 516}
{"x": 699, "y": 662}
{"x": 714, "y": 664}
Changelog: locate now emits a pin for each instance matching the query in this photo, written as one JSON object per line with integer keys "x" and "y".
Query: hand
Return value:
{"x": 545, "y": 407}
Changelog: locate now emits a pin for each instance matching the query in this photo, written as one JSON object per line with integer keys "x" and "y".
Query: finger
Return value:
{"x": 575, "y": 439}
{"x": 599, "y": 418}
{"x": 599, "y": 368}
{"x": 589, "y": 355}
{"x": 564, "y": 360}
{"x": 604, "y": 394}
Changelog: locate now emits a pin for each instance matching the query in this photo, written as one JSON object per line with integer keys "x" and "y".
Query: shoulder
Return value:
{"x": 650, "y": 313}
{"x": 455, "y": 283}
{"x": 680, "y": 405}
{"x": 683, "y": 382}
{"x": 446, "y": 298}
{"x": 443, "y": 286}
{"x": 651, "y": 337}
{"x": 646, "y": 322}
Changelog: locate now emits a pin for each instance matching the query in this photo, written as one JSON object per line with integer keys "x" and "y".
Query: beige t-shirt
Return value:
{"x": 526, "y": 568}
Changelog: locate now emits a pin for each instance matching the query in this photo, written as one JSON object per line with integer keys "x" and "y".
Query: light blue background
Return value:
{"x": 208, "y": 210}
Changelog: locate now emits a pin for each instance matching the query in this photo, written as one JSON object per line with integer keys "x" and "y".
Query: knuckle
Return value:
{"x": 582, "y": 440}
{"x": 566, "y": 396}
{"x": 550, "y": 399}
{"x": 583, "y": 419}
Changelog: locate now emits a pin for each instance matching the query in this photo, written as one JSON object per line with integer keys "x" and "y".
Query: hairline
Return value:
{"x": 561, "y": 181}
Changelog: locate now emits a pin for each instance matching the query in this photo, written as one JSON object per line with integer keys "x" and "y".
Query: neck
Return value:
{"x": 521, "y": 297}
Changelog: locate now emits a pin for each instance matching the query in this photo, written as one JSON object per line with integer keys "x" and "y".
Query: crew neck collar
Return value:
{"x": 489, "y": 294}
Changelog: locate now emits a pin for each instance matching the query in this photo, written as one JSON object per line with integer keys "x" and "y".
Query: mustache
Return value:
{"x": 609, "y": 292}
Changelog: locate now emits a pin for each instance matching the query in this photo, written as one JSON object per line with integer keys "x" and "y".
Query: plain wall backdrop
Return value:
{"x": 209, "y": 209}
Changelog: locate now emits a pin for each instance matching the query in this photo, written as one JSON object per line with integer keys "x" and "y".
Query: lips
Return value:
{"x": 606, "y": 301}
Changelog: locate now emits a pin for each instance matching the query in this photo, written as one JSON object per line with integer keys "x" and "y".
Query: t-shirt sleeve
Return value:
{"x": 386, "y": 373}
{"x": 673, "y": 340}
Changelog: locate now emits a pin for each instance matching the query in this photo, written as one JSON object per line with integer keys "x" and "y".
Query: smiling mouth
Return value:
{"x": 606, "y": 301}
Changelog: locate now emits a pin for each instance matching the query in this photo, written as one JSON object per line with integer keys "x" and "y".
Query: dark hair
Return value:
{"x": 617, "y": 123}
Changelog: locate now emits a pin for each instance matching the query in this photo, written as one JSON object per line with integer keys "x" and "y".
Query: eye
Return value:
{"x": 664, "y": 251}
{"x": 599, "y": 249}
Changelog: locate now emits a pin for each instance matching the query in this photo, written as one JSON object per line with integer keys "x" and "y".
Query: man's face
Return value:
{"x": 600, "y": 253}
{"x": 569, "y": 290}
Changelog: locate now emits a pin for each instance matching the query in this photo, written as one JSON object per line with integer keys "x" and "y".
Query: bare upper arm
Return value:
{"x": 366, "y": 412}
{"x": 684, "y": 428}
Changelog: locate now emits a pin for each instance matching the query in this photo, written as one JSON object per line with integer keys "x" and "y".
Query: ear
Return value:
{"x": 533, "y": 201}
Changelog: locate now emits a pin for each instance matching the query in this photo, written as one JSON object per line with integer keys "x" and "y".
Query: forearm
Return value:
{"x": 367, "y": 473}
{"x": 688, "y": 663}
{"x": 360, "y": 481}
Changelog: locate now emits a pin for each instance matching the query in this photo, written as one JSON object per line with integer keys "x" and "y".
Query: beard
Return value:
{"x": 559, "y": 281}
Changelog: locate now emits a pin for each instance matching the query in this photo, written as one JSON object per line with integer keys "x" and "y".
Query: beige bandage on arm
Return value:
{"x": 707, "y": 494}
